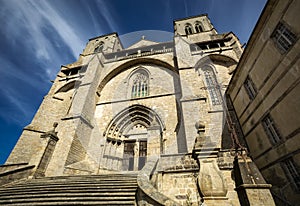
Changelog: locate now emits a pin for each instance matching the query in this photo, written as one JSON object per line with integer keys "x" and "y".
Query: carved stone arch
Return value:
{"x": 131, "y": 64}
{"x": 128, "y": 116}
{"x": 139, "y": 130}
{"x": 221, "y": 59}
{"x": 140, "y": 67}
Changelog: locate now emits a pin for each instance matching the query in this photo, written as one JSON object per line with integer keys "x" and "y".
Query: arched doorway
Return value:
{"x": 131, "y": 136}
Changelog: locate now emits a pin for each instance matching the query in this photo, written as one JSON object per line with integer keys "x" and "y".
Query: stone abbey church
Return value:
{"x": 143, "y": 125}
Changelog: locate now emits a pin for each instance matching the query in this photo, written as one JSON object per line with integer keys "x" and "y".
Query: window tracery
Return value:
{"x": 212, "y": 85}
{"x": 140, "y": 84}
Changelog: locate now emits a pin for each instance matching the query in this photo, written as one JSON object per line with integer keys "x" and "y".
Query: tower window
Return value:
{"x": 292, "y": 172}
{"x": 198, "y": 28}
{"x": 212, "y": 85}
{"x": 250, "y": 88}
{"x": 283, "y": 37}
{"x": 188, "y": 29}
{"x": 99, "y": 47}
{"x": 271, "y": 129}
{"x": 140, "y": 85}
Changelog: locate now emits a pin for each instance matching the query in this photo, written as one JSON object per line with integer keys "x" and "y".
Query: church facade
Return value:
{"x": 154, "y": 109}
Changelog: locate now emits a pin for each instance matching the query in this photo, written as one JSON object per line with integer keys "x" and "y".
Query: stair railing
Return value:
{"x": 147, "y": 193}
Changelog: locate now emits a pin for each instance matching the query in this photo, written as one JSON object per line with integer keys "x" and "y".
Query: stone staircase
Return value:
{"x": 106, "y": 189}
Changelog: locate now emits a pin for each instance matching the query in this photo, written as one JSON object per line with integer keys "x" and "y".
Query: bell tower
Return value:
{"x": 199, "y": 25}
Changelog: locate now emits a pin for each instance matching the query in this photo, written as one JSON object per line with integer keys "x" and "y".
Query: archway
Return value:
{"x": 132, "y": 135}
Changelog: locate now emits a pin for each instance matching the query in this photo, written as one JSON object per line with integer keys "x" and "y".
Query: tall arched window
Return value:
{"x": 188, "y": 29}
{"x": 198, "y": 27}
{"x": 139, "y": 84}
{"x": 212, "y": 85}
{"x": 99, "y": 47}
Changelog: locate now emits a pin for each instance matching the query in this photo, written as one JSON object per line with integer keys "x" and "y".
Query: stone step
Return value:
{"x": 75, "y": 190}
{"x": 33, "y": 184}
{"x": 76, "y": 203}
{"x": 104, "y": 176}
{"x": 68, "y": 202}
{"x": 71, "y": 180}
{"x": 48, "y": 193}
{"x": 83, "y": 179}
{"x": 75, "y": 196}
{"x": 66, "y": 189}
{"x": 91, "y": 185}
{"x": 116, "y": 189}
{"x": 67, "y": 198}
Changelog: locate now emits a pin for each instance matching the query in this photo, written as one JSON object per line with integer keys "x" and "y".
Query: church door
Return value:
{"x": 128, "y": 158}
{"x": 135, "y": 154}
{"x": 142, "y": 154}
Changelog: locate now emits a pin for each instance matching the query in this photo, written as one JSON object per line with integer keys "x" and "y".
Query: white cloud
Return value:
{"x": 94, "y": 20}
{"x": 107, "y": 15}
{"x": 34, "y": 16}
{"x": 11, "y": 71}
{"x": 22, "y": 111}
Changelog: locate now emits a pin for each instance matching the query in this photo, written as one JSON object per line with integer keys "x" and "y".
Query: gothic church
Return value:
{"x": 143, "y": 125}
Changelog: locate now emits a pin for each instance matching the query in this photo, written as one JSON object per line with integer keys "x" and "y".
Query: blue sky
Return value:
{"x": 38, "y": 36}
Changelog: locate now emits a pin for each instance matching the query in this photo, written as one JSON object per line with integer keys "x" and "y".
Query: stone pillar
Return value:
{"x": 106, "y": 154}
{"x": 119, "y": 155}
{"x": 109, "y": 155}
{"x": 154, "y": 142}
{"x": 136, "y": 156}
{"x": 251, "y": 187}
{"x": 211, "y": 182}
{"x": 52, "y": 138}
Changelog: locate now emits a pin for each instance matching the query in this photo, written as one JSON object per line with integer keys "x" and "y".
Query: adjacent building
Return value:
{"x": 265, "y": 93}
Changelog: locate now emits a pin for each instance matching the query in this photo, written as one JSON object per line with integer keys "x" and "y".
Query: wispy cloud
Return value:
{"x": 33, "y": 33}
{"x": 94, "y": 20}
{"x": 15, "y": 104}
{"x": 11, "y": 71}
{"x": 34, "y": 16}
{"x": 185, "y": 8}
{"x": 107, "y": 14}
{"x": 24, "y": 109}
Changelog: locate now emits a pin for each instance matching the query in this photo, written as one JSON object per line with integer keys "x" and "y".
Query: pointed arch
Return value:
{"x": 130, "y": 64}
{"x": 139, "y": 83}
{"x": 131, "y": 116}
{"x": 212, "y": 84}
{"x": 221, "y": 59}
